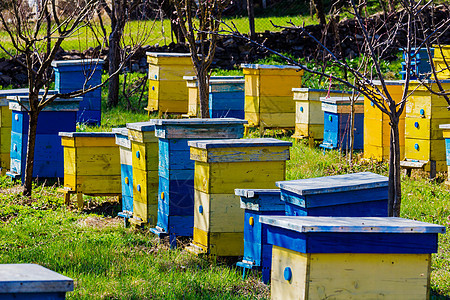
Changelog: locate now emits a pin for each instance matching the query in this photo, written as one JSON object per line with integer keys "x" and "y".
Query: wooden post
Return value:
{"x": 251, "y": 19}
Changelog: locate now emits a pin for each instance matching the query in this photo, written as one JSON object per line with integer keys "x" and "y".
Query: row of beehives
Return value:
{"x": 314, "y": 237}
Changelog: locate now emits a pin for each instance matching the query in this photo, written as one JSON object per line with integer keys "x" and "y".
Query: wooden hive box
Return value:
{"x": 308, "y": 111}
{"x": 268, "y": 95}
{"x": 256, "y": 203}
{"x": 226, "y": 97}
{"x": 377, "y": 131}
{"x": 167, "y": 88}
{"x": 71, "y": 75}
{"x": 32, "y": 282}
{"x": 91, "y": 165}
{"x": 176, "y": 169}
{"x": 144, "y": 147}
{"x": 425, "y": 111}
{"x": 350, "y": 258}
{"x": 446, "y": 134}
{"x": 441, "y": 61}
{"x": 60, "y": 115}
{"x": 420, "y": 64}
{"x": 193, "y": 100}
{"x": 220, "y": 167}
{"x": 336, "y": 114}
{"x": 126, "y": 172}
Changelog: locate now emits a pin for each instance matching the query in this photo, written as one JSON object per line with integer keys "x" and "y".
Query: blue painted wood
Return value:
{"x": 178, "y": 196}
{"x": 337, "y": 133}
{"x": 173, "y": 159}
{"x": 127, "y": 172}
{"x": 227, "y": 104}
{"x": 420, "y": 64}
{"x": 260, "y": 199}
{"x": 447, "y": 149}
{"x": 34, "y": 296}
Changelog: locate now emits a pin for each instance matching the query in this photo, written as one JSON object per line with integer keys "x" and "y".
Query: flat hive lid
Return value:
{"x": 334, "y": 184}
{"x": 31, "y": 278}
{"x": 444, "y": 126}
{"x": 87, "y": 134}
{"x": 142, "y": 126}
{"x": 251, "y": 193}
{"x": 78, "y": 62}
{"x": 319, "y": 90}
{"x": 351, "y": 224}
{"x": 198, "y": 121}
{"x": 236, "y": 143}
{"x": 121, "y": 131}
{"x": 166, "y": 54}
{"x": 21, "y": 92}
{"x": 389, "y": 82}
{"x": 341, "y": 100}
{"x": 259, "y": 66}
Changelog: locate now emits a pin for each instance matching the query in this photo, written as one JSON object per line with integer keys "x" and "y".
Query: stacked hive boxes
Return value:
{"x": 226, "y": 97}
{"x": 167, "y": 88}
{"x": 220, "y": 166}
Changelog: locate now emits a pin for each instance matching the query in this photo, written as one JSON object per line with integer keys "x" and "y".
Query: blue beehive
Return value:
{"x": 227, "y": 97}
{"x": 420, "y": 64}
{"x": 258, "y": 202}
{"x": 72, "y": 75}
{"x": 350, "y": 258}
{"x": 32, "y": 282}
{"x": 58, "y": 116}
{"x": 337, "y": 123}
{"x": 176, "y": 169}
{"x": 126, "y": 171}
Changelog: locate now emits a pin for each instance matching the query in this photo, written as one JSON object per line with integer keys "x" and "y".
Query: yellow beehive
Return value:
{"x": 91, "y": 165}
{"x": 441, "y": 61}
{"x": 308, "y": 111}
{"x": 377, "y": 130}
{"x": 220, "y": 167}
{"x": 144, "y": 147}
{"x": 424, "y": 113}
{"x": 268, "y": 95}
{"x": 167, "y": 88}
{"x": 193, "y": 101}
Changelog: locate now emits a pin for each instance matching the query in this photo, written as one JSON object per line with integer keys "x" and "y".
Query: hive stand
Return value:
{"x": 48, "y": 152}
{"x": 336, "y": 114}
{"x": 309, "y": 114}
{"x": 424, "y": 143}
{"x": 144, "y": 148}
{"x": 91, "y": 165}
{"x": 377, "y": 131}
{"x": 176, "y": 170}
{"x": 441, "y": 61}
{"x": 220, "y": 167}
{"x": 350, "y": 258}
{"x": 256, "y": 203}
{"x": 126, "y": 173}
{"x": 268, "y": 95}
{"x": 167, "y": 88}
{"x": 73, "y": 75}
{"x": 420, "y": 64}
{"x": 32, "y": 282}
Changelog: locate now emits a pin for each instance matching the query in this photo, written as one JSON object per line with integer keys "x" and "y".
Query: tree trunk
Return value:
{"x": 251, "y": 19}
{"x": 203, "y": 91}
{"x": 320, "y": 11}
{"x": 395, "y": 193}
{"x": 32, "y": 126}
{"x": 114, "y": 62}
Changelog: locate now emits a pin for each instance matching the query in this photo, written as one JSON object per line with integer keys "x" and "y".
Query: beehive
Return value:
{"x": 377, "y": 130}
{"x": 308, "y": 111}
{"x": 176, "y": 170}
{"x": 256, "y": 203}
{"x": 193, "y": 98}
{"x": 32, "y": 282}
{"x": 226, "y": 97}
{"x": 268, "y": 95}
{"x": 350, "y": 258}
{"x": 91, "y": 165}
{"x": 425, "y": 111}
{"x": 6, "y": 123}
{"x": 167, "y": 88}
{"x": 220, "y": 167}
{"x": 60, "y": 115}
{"x": 126, "y": 172}
{"x": 420, "y": 64}
{"x": 441, "y": 61}
{"x": 73, "y": 75}
{"x": 446, "y": 134}
{"x": 144, "y": 147}
{"x": 336, "y": 114}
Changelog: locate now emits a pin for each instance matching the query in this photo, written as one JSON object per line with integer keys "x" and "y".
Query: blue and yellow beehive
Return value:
{"x": 73, "y": 75}
{"x": 308, "y": 111}
{"x": 126, "y": 172}
{"x": 350, "y": 258}
{"x": 336, "y": 114}
{"x": 226, "y": 97}
{"x": 425, "y": 111}
{"x": 220, "y": 167}
{"x": 176, "y": 170}
{"x": 60, "y": 115}
{"x": 256, "y": 203}
{"x": 167, "y": 88}
{"x": 441, "y": 61}
{"x": 377, "y": 131}
{"x": 268, "y": 95}
{"x": 32, "y": 282}
{"x": 91, "y": 165}
{"x": 144, "y": 147}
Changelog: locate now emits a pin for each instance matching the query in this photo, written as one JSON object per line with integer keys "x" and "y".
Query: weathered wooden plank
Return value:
{"x": 145, "y": 156}
{"x": 421, "y": 149}
{"x": 95, "y": 184}
{"x": 200, "y": 128}
{"x": 421, "y": 128}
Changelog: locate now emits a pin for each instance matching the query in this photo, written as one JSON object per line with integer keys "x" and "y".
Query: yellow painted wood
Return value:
{"x": 277, "y": 120}
{"x": 148, "y": 213}
{"x": 441, "y": 51}
{"x": 279, "y": 85}
{"x": 5, "y": 116}
{"x": 148, "y": 156}
{"x": 380, "y": 153}
{"x": 98, "y": 161}
{"x": 89, "y": 142}
{"x": 70, "y": 161}
{"x": 252, "y": 118}
{"x": 251, "y": 104}
{"x": 252, "y": 83}
{"x": 5, "y": 161}
{"x": 442, "y": 69}
{"x": 428, "y": 149}
{"x": 200, "y": 238}
{"x": 67, "y": 141}
{"x": 276, "y": 104}
{"x": 142, "y": 137}
{"x": 223, "y": 178}
{"x": 169, "y": 60}
{"x": 5, "y": 139}
{"x": 221, "y": 212}
{"x": 220, "y": 243}
{"x": 433, "y": 106}
{"x": 446, "y": 133}
{"x": 428, "y": 128}
{"x": 193, "y": 101}
{"x": 243, "y": 154}
{"x": 350, "y": 276}
{"x": 312, "y": 112}
{"x": 148, "y": 182}
{"x": 94, "y": 184}
{"x": 308, "y": 130}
